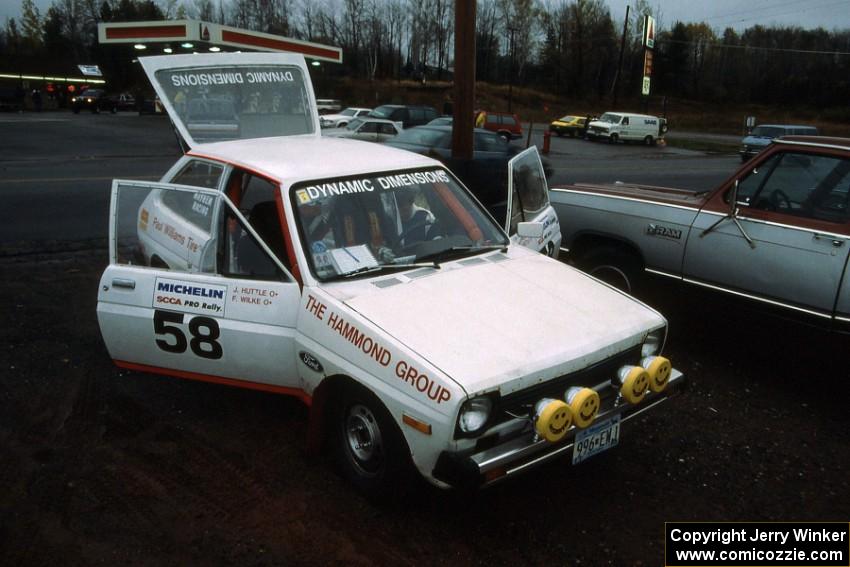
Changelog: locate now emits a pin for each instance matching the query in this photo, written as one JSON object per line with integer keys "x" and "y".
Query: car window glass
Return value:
{"x": 808, "y": 186}
{"x": 422, "y": 136}
{"x": 625, "y": 121}
{"x": 488, "y": 143}
{"x": 508, "y": 121}
{"x": 417, "y": 115}
{"x": 530, "y": 193}
{"x": 492, "y": 119}
{"x": 199, "y": 174}
{"x": 369, "y": 128}
{"x": 164, "y": 227}
{"x": 386, "y": 129}
{"x": 749, "y": 185}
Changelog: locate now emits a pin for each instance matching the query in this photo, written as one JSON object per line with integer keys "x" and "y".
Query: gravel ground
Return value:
{"x": 103, "y": 466}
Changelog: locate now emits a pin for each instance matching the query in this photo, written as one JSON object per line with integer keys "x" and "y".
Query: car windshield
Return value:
{"x": 389, "y": 221}
{"x": 348, "y": 112}
{"x": 382, "y": 111}
{"x": 354, "y": 125}
{"x": 244, "y": 101}
{"x": 612, "y": 118}
{"x": 422, "y": 137}
{"x": 767, "y": 131}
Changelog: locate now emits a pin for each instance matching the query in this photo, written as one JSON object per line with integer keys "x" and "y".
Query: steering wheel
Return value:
{"x": 779, "y": 199}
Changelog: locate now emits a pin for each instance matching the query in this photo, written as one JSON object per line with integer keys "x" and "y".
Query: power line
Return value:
{"x": 733, "y": 19}
{"x": 753, "y": 47}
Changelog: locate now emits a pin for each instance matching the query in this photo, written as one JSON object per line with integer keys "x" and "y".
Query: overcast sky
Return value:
{"x": 719, "y": 14}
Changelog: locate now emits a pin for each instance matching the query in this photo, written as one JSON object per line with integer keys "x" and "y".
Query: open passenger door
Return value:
{"x": 531, "y": 221}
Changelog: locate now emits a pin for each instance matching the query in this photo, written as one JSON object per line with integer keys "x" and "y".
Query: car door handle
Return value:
{"x": 124, "y": 283}
{"x": 837, "y": 242}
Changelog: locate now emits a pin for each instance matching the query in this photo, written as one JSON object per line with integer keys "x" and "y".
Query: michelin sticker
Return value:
{"x": 189, "y": 297}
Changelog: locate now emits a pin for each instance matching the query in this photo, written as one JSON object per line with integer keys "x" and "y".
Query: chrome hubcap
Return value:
{"x": 363, "y": 434}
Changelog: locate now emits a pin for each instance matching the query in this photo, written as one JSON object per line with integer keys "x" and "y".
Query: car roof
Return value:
{"x": 786, "y": 126}
{"x": 815, "y": 141}
{"x": 289, "y": 159}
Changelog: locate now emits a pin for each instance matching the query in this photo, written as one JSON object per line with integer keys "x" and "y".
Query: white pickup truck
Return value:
{"x": 370, "y": 284}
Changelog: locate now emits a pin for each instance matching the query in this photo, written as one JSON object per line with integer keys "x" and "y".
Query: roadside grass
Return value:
{"x": 703, "y": 145}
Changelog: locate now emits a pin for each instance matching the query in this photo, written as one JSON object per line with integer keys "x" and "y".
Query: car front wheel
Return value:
{"x": 369, "y": 448}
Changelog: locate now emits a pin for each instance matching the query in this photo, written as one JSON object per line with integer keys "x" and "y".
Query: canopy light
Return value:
{"x": 187, "y": 45}
{"x": 168, "y": 50}
{"x": 140, "y": 46}
{"x": 315, "y": 63}
{"x": 215, "y": 49}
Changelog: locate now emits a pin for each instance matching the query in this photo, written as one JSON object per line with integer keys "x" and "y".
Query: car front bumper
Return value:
{"x": 524, "y": 450}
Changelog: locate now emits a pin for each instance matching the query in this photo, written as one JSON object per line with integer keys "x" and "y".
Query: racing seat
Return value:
{"x": 251, "y": 258}
{"x": 362, "y": 221}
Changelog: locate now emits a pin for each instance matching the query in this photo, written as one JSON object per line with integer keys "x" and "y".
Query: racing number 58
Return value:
{"x": 203, "y": 330}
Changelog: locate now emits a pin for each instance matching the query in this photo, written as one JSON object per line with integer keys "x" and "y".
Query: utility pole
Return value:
{"x": 464, "y": 79}
{"x": 620, "y": 64}
{"x": 511, "y": 70}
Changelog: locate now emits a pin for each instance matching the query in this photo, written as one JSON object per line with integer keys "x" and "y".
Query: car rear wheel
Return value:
{"x": 368, "y": 447}
{"x": 649, "y": 141}
{"x": 505, "y": 136}
{"x": 614, "y": 267}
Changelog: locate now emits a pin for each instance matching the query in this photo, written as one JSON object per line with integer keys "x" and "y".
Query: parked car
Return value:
{"x": 328, "y": 105}
{"x": 97, "y": 100}
{"x": 504, "y": 124}
{"x": 627, "y": 127}
{"x": 368, "y": 283}
{"x": 762, "y": 135}
{"x": 571, "y": 125}
{"x": 343, "y": 118}
{"x": 366, "y": 129}
{"x": 409, "y": 116}
{"x": 486, "y": 175}
{"x": 776, "y": 233}
{"x": 441, "y": 121}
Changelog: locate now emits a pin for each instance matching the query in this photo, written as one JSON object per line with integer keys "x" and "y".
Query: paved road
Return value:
{"x": 57, "y": 170}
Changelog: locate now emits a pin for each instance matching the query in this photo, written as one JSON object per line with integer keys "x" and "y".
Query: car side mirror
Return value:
{"x": 530, "y": 230}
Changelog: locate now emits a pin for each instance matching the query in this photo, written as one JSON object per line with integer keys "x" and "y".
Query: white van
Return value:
{"x": 616, "y": 126}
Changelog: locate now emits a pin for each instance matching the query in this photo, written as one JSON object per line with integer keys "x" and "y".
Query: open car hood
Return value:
{"x": 507, "y": 324}
{"x": 232, "y": 96}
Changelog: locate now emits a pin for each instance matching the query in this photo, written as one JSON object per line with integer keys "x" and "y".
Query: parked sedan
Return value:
{"x": 366, "y": 129}
{"x": 342, "y": 119}
{"x": 570, "y": 125}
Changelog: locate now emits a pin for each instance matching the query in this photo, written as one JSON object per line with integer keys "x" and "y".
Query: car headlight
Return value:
{"x": 653, "y": 342}
{"x": 474, "y": 414}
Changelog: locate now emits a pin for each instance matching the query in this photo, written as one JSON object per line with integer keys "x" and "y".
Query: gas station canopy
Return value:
{"x": 187, "y": 36}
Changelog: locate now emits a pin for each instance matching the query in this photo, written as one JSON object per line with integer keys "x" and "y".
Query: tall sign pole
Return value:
{"x": 620, "y": 63}
{"x": 464, "y": 79}
{"x": 648, "y": 47}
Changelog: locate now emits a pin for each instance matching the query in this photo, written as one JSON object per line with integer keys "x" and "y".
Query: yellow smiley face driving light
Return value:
{"x": 635, "y": 381}
{"x": 659, "y": 369}
{"x": 584, "y": 404}
{"x": 552, "y": 419}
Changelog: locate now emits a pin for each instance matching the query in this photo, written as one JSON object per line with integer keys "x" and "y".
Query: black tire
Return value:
{"x": 367, "y": 446}
{"x": 649, "y": 141}
{"x": 613, "y": 139}
{"x": 505, "y": 136}
{"x": 572, "y": 133}
{"x": 76, "y": 110}
{"x": 613, "y": 266}
{"x": 559, "y": 133}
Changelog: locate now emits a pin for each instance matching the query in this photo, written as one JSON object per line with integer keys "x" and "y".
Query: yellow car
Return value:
{"x": 571, "y": 125}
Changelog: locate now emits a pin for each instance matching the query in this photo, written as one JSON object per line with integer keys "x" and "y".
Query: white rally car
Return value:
{"x": 370, "y": 284}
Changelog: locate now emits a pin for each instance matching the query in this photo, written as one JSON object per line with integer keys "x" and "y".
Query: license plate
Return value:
{"x": 596, "y": 438}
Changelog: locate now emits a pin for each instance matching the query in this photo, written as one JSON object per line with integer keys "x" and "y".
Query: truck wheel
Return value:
{"x": 368, "y": 447}
{"x": 505, "y": 136}
{"x": 649, "y": 141}
{"x": 613, "y": 139}
{"x": 614, "y": 267}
